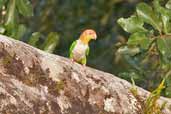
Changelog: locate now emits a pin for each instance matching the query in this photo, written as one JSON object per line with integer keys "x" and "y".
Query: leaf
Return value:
{"x": 10, "y": 17}
{"x": 2, "y": 29}
{"x": 133, "y": 89}
{"x": 25, "y": 7}
{"x": 164, "y": 14}
{"x": 34, "y": 38}
{"x": 146, "y": 13}
{"x": 168, "y": 4}
{"x": 164, "y": 46}
{"x": 132, "y": 24}
{"x": 139, "y": 38}
{"x": 128, "y": 51}
{"x": 20, "y": 32}
{"x": 51, "y": 42}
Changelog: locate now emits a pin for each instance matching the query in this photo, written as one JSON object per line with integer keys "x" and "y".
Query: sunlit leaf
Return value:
{"x": 168, "y": 5}
{"x": 140, "y": 39}
{"x": 51, "y": 42}
{"x": 128, "y": 51}
{"x": 132, "y": 24}
{"x": 146, "y": 13}
{"x": 25, "y": 7}
{"x": 2, "y": 29}
{"x": 165, "y": 16}
{"x": 34, "y": 38}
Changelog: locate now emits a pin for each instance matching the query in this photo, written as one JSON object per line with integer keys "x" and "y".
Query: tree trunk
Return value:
{"x": 35, "y": 82}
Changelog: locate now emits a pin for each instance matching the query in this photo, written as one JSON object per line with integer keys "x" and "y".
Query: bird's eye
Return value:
{"x": 90, "y": 33}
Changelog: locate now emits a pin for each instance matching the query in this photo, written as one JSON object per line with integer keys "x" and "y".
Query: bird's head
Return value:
{"x": 87, "y": 35}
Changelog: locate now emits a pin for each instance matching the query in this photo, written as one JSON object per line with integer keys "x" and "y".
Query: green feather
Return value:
{"x": 88, "y": 50}
{"x": 83, "y": 61}
{"x": 71, "y": 49}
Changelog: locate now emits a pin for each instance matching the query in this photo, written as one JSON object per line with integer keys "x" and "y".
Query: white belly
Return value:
{"x": 79, "y": 51}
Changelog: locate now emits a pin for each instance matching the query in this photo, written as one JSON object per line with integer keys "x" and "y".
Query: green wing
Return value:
{"x": 71, "y": 49}
{"x": 84, "y": 60}
{"x": 87, "y": 51}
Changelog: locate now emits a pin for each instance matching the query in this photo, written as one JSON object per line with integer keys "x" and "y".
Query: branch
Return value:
{"x": 35, "y": 82}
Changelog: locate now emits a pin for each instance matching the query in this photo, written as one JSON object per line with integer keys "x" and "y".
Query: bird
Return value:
{"x": 79, "y": 49}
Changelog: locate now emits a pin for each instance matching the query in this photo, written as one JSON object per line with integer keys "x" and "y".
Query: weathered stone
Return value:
{"x": 35, "y": 82}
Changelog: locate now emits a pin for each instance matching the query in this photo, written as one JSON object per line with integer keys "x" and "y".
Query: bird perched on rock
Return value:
{"x": 80, "y": 48}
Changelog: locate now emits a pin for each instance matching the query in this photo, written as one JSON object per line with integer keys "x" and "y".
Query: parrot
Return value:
{"x": 79, "y": 49}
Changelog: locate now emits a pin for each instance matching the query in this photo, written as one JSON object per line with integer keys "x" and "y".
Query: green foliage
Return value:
{"x": 2, "y": 29}
{"x": 151, "y": 105}
{"x": 34, "y": 38}
{"x": 51, "y": 42}
{"x": 10, "y": 26}
{"x": 139, "y": 39}
{"x": 146, "y": 13}
{"x": 132, "y": 24}
{"x": 165, "y": 49}
{"x": 150, "y": 35}
{"x": 25, "y": 7}
{"x": 134, "y": 88}
{"x": 168, "y": 5}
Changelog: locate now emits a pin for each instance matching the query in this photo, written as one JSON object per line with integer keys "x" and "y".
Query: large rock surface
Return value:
{"x": 35, "y": 82}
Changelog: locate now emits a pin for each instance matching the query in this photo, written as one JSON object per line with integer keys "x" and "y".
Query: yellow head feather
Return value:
{"x": 87, "y": 35}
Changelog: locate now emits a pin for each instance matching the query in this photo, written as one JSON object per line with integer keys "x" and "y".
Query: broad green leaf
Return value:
{"x": 140, "y": 39}
{"x": 51, "y": 42}
{"x": 10, "y": 17}
{"x": 164, "y": 46}
{"x": 132, "y": 24}
{"x": 25, "y": 7}
{"x": 168, "y": 4}
{"x": 2, "y": 29}
{"x": 128, "y": 51}
{"x": 146, "y": 13}
{"x": 34, "y": 38}
{"x": 165, "y": 16}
